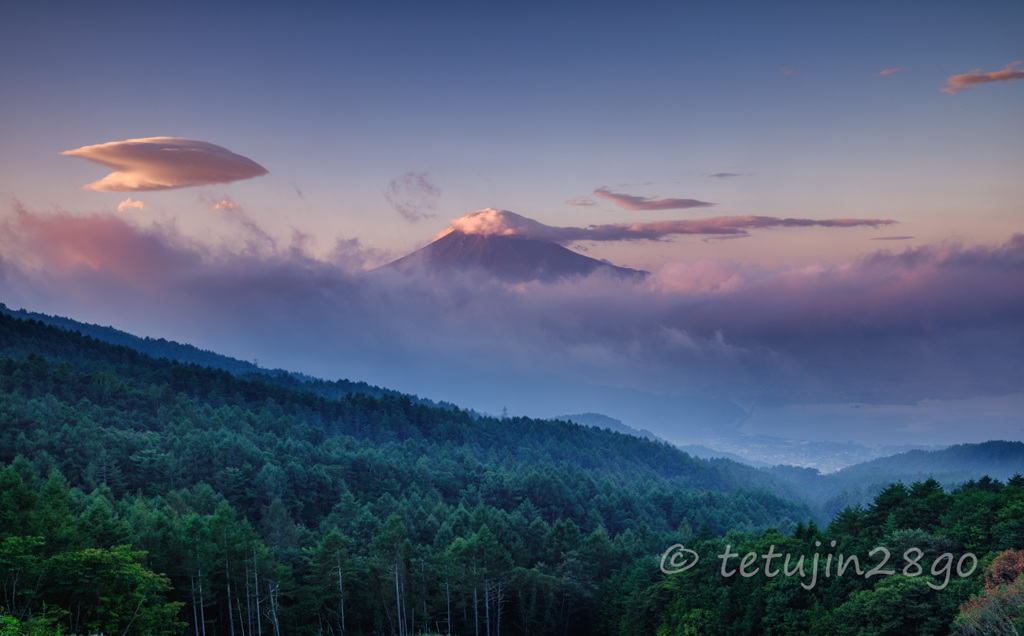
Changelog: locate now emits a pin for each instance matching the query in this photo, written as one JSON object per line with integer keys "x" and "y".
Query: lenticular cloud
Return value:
{"x": 164, "y": 163}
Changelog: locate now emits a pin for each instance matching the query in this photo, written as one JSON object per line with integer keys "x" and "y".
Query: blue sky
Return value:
{"x": 522, "y": 107}
{"x": 528, "y": 107}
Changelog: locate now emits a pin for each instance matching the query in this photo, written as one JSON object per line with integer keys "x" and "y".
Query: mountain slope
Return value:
{"x": 207, "y": 476}
{"x": 858, "y": 484}
{"x": 508, "y": 258}
{"x": 188, "y": 354}
{"x": 597, "y": 420}
{"x": 37, "y": 356}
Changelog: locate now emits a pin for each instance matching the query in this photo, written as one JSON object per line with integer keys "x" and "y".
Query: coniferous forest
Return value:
{"x": 145, "y": 496}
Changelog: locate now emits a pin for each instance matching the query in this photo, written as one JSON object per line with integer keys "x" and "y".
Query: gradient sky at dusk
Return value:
{"x": 379, "y": 123}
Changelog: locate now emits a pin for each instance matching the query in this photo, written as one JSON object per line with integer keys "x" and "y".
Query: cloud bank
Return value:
{"x": 959, "y": 83}
{"x": 164, "y": 163}
{"x": 940, "y": 321}
{"x": 630, "y": 202}
{"x": 504, "y": 223}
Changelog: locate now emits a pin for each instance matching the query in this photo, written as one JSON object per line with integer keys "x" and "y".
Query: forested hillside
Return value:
{"x": 188, "y": 354}
{"x": 144, "y": 496}
{"x": 918, "y": 560}
{"x": 239, "y": 503}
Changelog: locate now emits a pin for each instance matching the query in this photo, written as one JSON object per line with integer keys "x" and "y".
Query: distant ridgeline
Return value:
{"x": 148, "y": 496}
{"x": 188, "y": 354}
{"x": 860, "y": 483}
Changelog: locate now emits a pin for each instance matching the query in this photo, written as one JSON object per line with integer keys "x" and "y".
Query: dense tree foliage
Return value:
{"x": 939, "y": 545}
{"x": 248, "y": 503}
{"x": 146, "y": 496}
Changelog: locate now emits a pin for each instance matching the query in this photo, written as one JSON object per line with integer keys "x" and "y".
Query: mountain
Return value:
{"x": 997, "y": 459}
{"x": 860, "y": 483}
{"x": 126, "y": 481}
{"x": 188, "y": 354}
{"x": 509, "y": 258}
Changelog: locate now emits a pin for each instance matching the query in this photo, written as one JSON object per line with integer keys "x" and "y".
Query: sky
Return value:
{"x": 828, "y": 197}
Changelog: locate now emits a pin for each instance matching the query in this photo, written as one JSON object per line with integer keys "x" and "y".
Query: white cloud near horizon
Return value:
{"x": 164, "y": 163}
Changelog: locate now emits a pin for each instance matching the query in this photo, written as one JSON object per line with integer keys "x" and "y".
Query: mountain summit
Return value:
{"x": 509, "y": 258}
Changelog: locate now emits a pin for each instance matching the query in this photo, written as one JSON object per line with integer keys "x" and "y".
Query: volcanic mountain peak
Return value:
{"x": 509, "y": 258}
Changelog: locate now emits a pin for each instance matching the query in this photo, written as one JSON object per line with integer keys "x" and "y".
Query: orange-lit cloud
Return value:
{"x": 225, "y": 204}
{"x": 65, "y": 243}
{"x": 505, "y": 223}
{"x": 129, "y": 204}
{"x": 164, "y": 163}
{"x": 959, "y": 83}
{"x": 890, "y": 71}
{"x": 630, "y": 202}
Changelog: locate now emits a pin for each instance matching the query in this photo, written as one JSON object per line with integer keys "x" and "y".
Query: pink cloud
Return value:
{"x": 164, "y": 163}
{"x": 959, "y": 83}
{"x": 631, "y": 202}
{"x": 890, "y": 71}
{"x": 63, "y": 243}
{"x": 129, "y": 204}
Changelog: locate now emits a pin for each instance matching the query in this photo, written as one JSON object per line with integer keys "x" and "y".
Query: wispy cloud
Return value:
{"x": 959, "y": 83}
{"x": 724, "y": 175}
{"x": 129, "y": 204}
{"x": 164, "y": 163}
{"x": 889, "y": 71}
{"x": 581, "y": 202}
{"x": 891, "y": 238}
{"x": 505, "y": 223}
{"x": 413, "y": 196}
{"x": 630, "y": 202}
{"x": 789, "y": 70}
